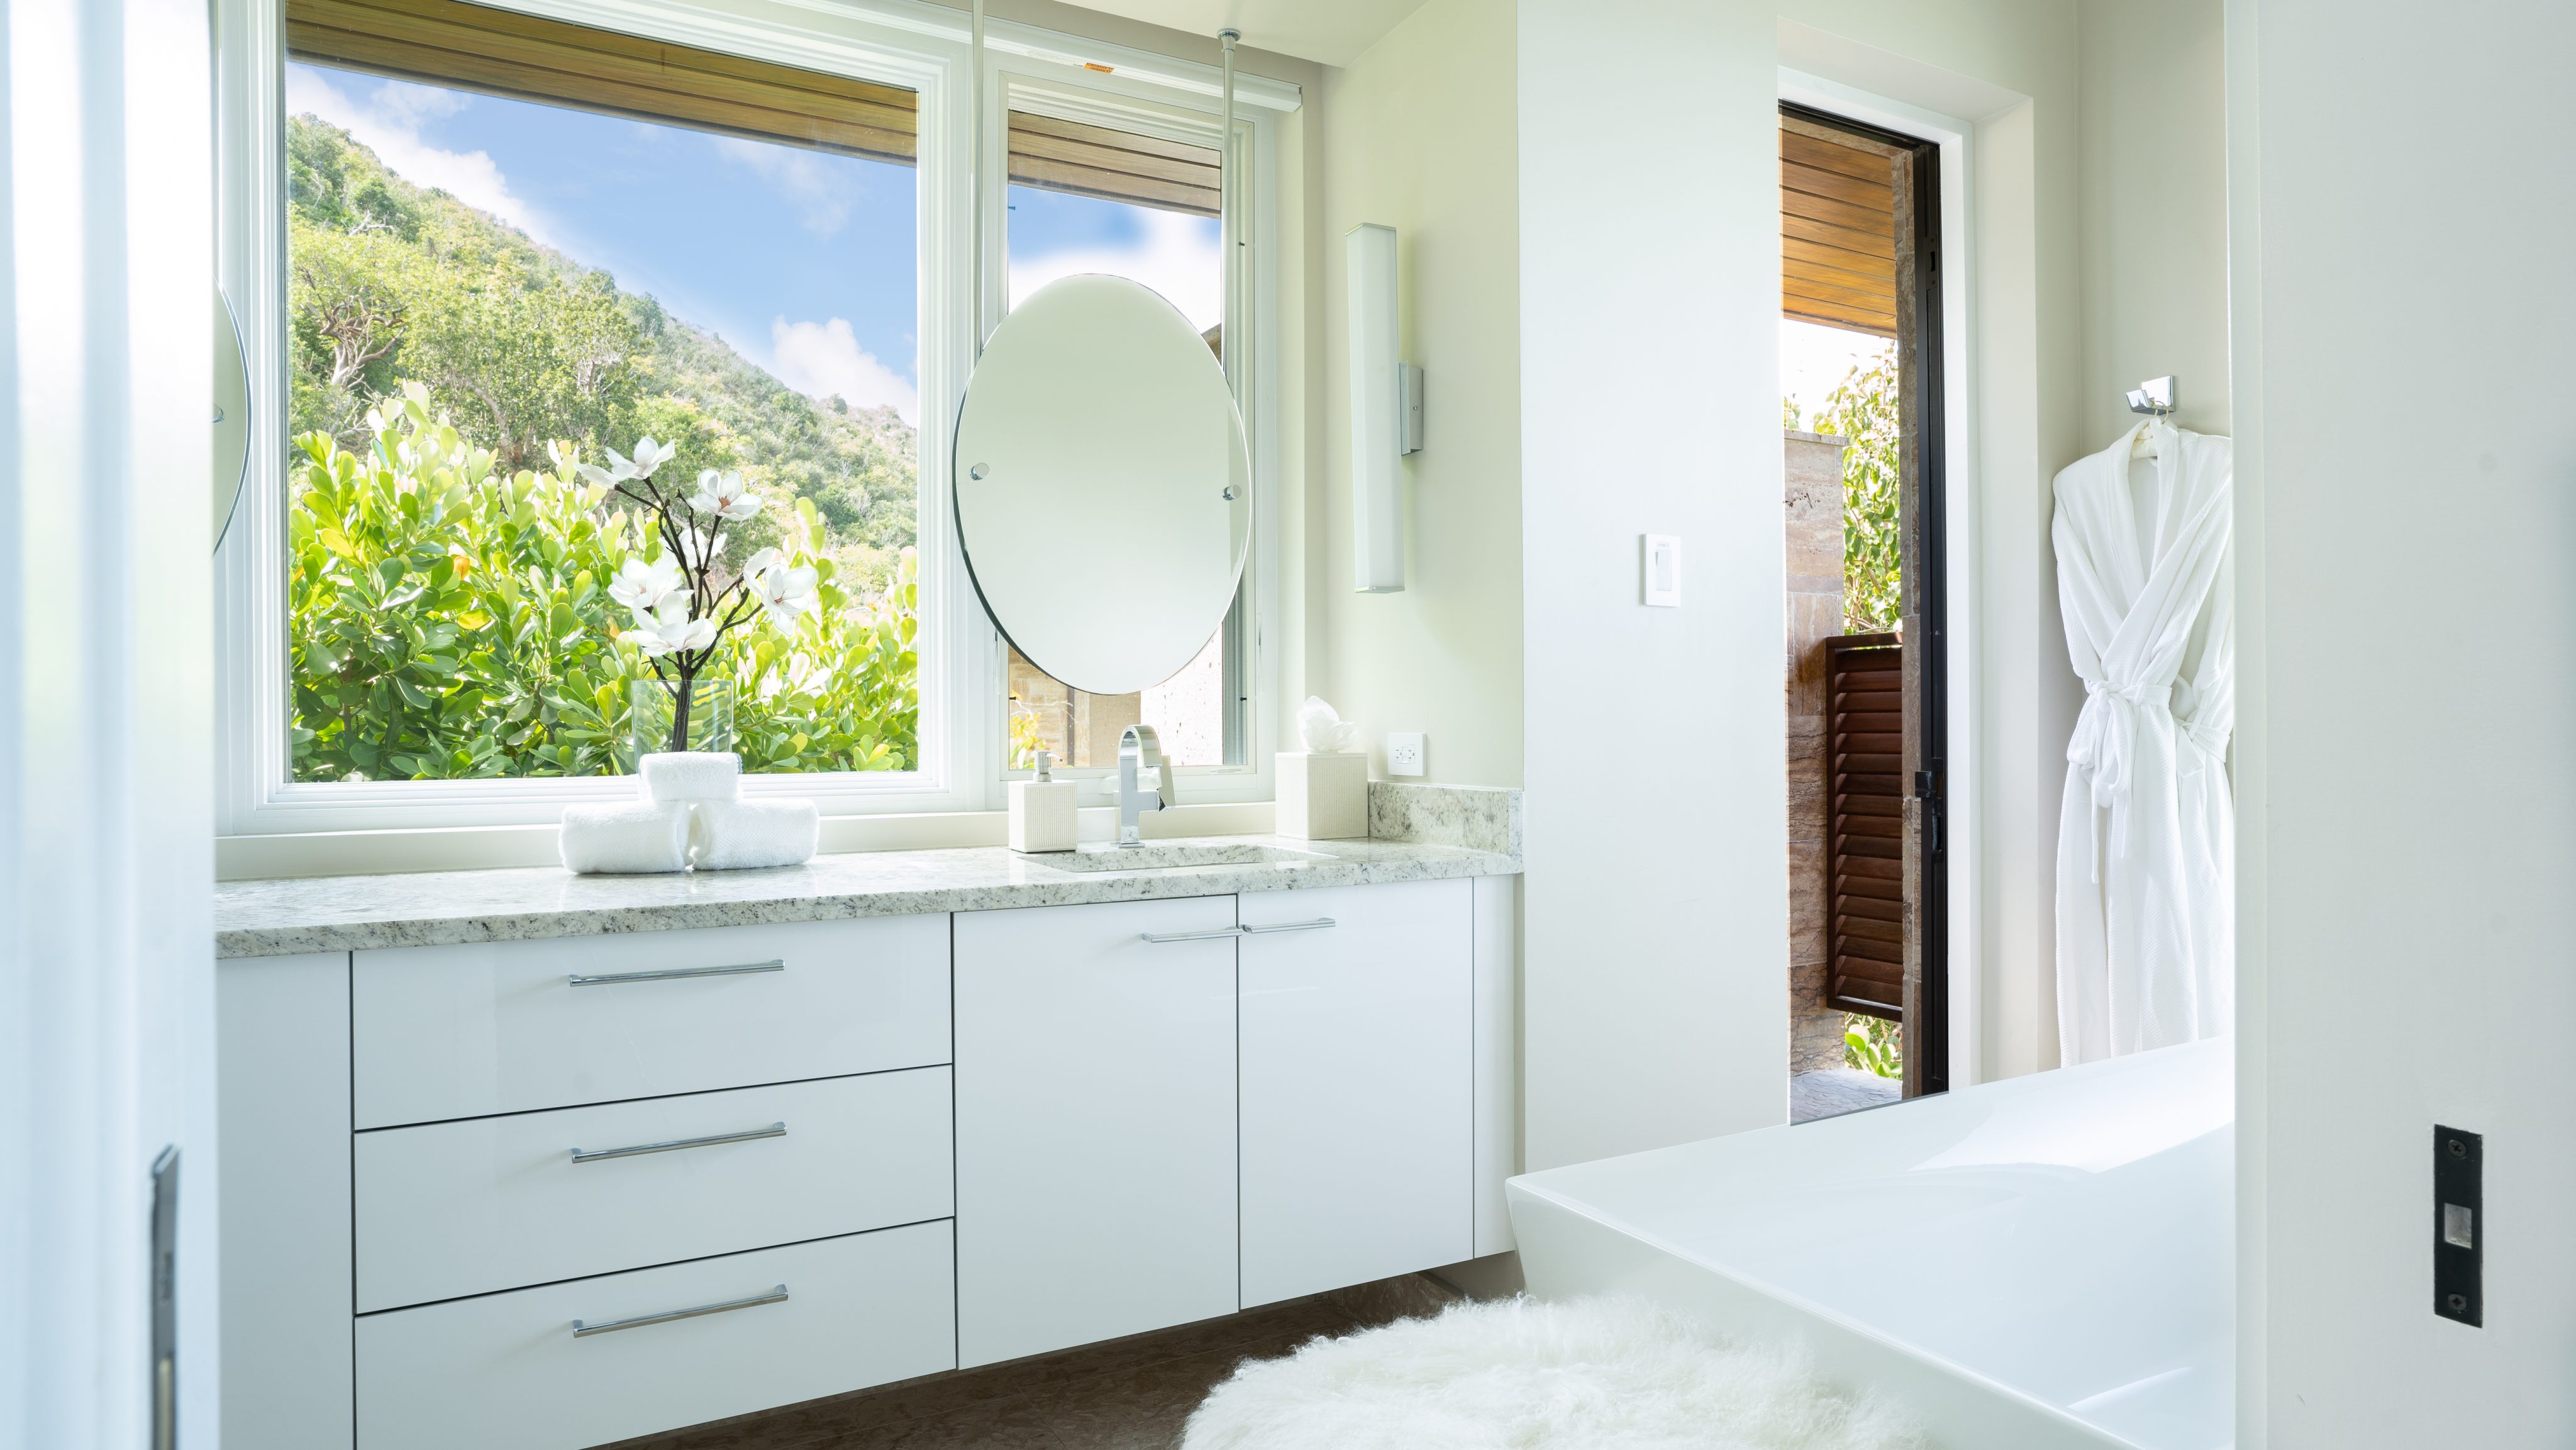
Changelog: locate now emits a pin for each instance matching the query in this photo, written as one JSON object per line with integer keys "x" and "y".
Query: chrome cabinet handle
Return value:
{"x": 774, "y": 1130}
{"x": 584, "y": 1331}
{"x": 1231, "y": 931}
{"x": 672, "y": 974}
{"x": 1318, "y": 924}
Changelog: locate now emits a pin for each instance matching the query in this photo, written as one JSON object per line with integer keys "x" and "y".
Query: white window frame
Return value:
{"x": 1016, "y": 81}
{"x": 962, "y": 732}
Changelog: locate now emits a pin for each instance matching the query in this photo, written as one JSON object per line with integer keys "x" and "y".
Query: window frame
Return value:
{"x": 1069, "y": 92}
{"x": 962, "y": 732}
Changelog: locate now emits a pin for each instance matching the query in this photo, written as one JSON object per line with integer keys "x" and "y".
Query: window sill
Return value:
{"x": 480, "y": 848}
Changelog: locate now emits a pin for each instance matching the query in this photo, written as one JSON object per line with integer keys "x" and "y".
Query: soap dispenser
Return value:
{"x": 1042, "y": 816}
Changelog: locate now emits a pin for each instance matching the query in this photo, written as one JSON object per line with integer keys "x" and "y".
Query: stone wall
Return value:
{"x": 1812, "y": 502}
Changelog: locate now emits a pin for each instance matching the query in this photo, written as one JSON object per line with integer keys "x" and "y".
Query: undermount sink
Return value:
{"x": 1171, "y": 857}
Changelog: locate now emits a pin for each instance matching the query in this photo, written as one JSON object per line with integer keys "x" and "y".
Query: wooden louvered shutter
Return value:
{"x": 1865, "y": 824}
{"x": 530, "y": 58}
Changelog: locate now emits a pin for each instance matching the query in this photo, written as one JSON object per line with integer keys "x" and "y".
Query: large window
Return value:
{"x": 485, "y": 251}
{"x": 500, "y": 270}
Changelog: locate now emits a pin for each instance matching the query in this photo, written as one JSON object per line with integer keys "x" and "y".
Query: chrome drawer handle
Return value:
{"x": 1231, "y": 931}
{"x": 673, "y": 974}
{"x": 584, "y": 1331}
{"x": 1318, "y": 924}
{"x": 774, "y": 1130}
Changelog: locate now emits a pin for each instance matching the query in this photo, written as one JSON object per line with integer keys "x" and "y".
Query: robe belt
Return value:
{"x": 2105, "y": 741}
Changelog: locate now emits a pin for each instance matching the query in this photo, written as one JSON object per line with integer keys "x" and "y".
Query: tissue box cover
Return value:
{"x": 1323, "y": 797}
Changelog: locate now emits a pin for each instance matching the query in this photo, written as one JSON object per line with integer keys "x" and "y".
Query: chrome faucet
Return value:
{"x": 1139, "y": 746}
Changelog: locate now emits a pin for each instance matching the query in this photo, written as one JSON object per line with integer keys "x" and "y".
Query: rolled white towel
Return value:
{"x": 627, "y": 837}
{"x": 738, "y": 834}
{"x": 691, "y": 775}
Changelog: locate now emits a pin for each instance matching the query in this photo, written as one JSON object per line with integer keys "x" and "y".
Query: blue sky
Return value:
{"x": 804, "y": 261}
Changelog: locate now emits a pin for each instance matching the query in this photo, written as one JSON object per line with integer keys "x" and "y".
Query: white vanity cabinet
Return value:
{"x": 550, "y": 1194}
{"x": 1358, "y": 1068}
{"x": 1095, "y": 1122}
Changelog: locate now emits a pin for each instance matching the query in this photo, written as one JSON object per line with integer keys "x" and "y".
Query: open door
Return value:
{"x": 1860, "y": 254}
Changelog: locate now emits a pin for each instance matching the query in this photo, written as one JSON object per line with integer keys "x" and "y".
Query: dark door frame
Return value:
{"x": 1926, "y": 583}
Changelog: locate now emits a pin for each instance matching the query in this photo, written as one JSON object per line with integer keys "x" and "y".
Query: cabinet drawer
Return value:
{"x": 506, "y": 1372}
{"x": 457, "y": 1208}
{"x": 505, "y": 1027}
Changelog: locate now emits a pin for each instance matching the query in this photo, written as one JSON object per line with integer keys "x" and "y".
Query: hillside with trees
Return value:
{"x": 521, "y": 346}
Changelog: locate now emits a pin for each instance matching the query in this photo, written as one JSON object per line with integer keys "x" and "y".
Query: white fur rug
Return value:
{"x": 1594, "y": 1374}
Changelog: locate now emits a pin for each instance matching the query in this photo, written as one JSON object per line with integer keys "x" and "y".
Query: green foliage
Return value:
{"x": 1863, "y": 411}
{"x": 448, "y": 617}
{"x": 1873, "y": 1044}
{"x": 392, "y": 283}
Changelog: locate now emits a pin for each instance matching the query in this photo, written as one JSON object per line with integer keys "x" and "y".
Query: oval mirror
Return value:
{"x": 232, "y": 416}
{"x": 1103, "y": 490}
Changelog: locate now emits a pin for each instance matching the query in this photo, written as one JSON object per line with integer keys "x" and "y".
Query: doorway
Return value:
{"x": 1863, "y": 510}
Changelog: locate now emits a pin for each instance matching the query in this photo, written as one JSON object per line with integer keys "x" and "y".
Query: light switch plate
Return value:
{"x": 1404, "y": 751}
{"x": 1659, "y": 570}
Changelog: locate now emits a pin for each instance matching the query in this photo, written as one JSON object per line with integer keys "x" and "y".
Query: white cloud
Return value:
{"x": 820, "y": 359}
{"x": 1178, "y": 258}
{"x": 387, "y": 121}
{"x": 824, "y": 196}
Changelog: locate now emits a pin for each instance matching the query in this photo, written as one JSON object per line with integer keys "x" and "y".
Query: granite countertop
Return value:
{"x": 352, "y": 913}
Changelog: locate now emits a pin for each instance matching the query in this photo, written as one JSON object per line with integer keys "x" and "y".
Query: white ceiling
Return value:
{"x": 1331, "y": 31}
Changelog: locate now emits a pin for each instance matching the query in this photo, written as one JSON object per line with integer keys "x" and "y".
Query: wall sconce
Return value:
{"x": 1386, "y": 412}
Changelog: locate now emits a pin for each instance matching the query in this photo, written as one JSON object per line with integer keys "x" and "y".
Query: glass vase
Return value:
{"x": 708, "y": 724}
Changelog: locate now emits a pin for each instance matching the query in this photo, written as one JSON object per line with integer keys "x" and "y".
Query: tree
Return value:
{"x": 1863, "y": 411}
{"x": 447, "y": 618}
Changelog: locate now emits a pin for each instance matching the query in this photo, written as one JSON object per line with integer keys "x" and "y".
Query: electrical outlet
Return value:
{"x": 1404, "y": 750}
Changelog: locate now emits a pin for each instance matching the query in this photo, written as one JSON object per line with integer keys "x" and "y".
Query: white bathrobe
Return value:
{"x": 2146, "y": 910}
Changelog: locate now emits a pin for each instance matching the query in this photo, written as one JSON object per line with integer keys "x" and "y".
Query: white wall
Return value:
{"x": 1656, "y": 916}
{"x": 106, "y": 818}
{"x": 2406, "y": 516}
{"x": 1419, "y": 135}
{"x": 2154, "y": 210}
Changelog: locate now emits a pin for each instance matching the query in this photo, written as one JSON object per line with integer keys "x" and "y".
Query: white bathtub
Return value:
{"x": 2040, "y": 1262}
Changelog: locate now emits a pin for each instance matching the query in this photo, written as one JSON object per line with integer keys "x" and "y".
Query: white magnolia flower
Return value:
{"x": 697, "y": 546}
{"x": 670, "y": 628}
{"x": 784, "y": 593}
{"x": 725, "y": 496}
{"x": 753, "y": 566}
{"x": 649, "y": 455}
{"x": 643, "y": 587}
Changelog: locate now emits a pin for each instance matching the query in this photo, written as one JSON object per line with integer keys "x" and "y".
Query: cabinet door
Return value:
{"x": 1095, "y": 1123}
{"x": 1358, "y": 1065}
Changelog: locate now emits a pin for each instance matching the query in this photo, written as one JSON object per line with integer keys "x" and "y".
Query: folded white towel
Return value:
{"x": 624, "y": 838}
{"x": 691, "y": 775}
{"x": 736, "y": 834}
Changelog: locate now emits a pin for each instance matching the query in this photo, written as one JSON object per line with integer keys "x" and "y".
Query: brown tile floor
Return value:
{"x": 1127, "y": 1394}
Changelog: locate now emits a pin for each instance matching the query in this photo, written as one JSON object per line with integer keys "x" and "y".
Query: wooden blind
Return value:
{"x": 1839, "y": 227}
{"x": 1865, "y": 824}
{"x": 503, "y": 53}
{"x": 1085, "y": 160}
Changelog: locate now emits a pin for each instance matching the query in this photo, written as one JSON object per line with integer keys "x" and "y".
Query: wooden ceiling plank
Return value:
{"x": 1876, "y": 196}
{"x": 1827, "y": 234}
{"x": 1832, "y": 156}
{"x": 1033, "y": 123}
{"x": 1838, "y": 258}
{"x": 1834, "y": 213}
{"x": 1809, "y": 275}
